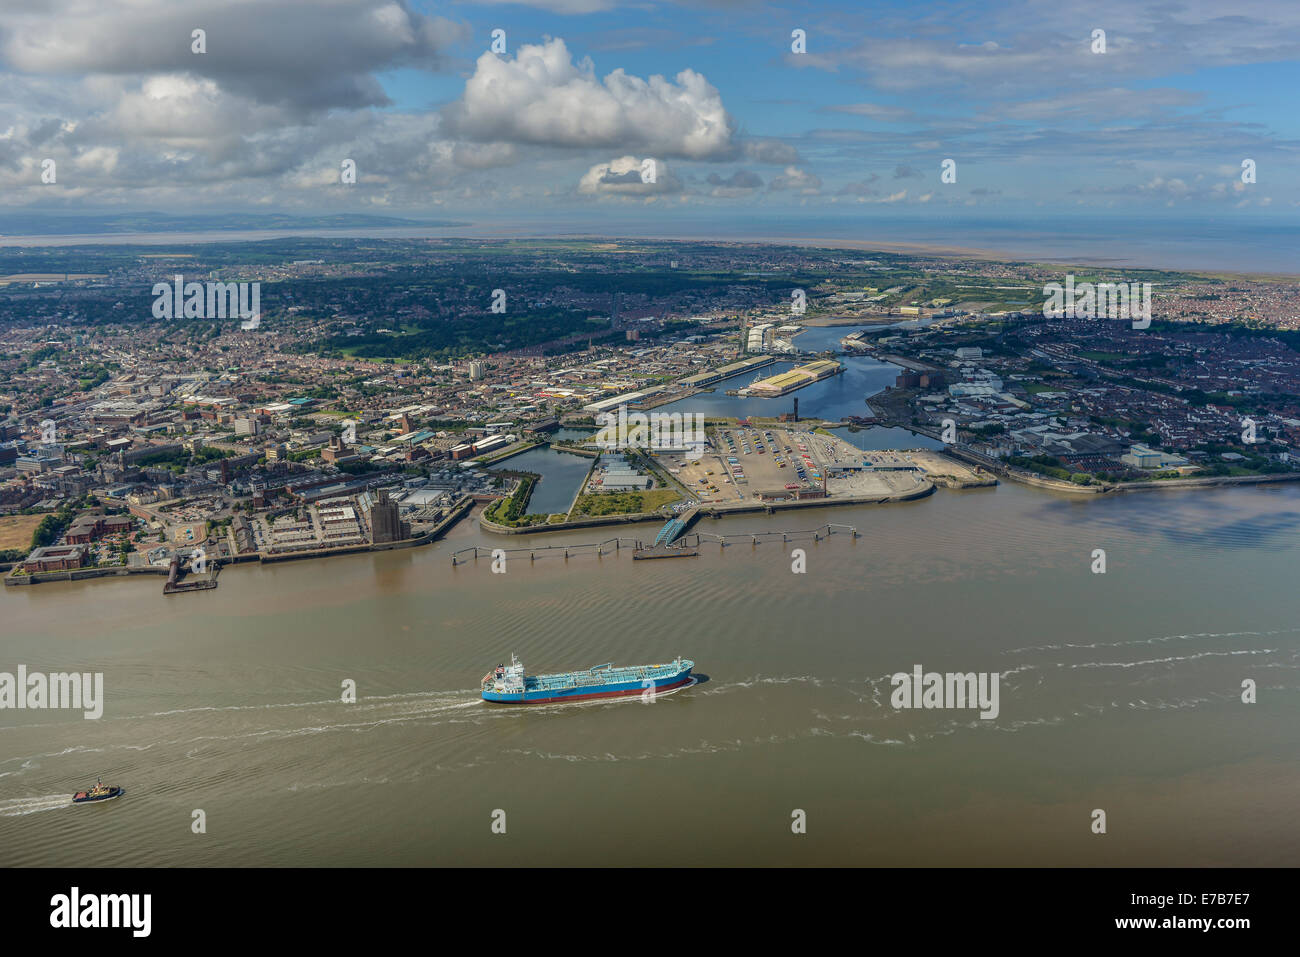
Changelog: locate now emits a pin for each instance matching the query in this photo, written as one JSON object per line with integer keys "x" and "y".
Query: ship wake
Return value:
{"x": 17, "y": 807}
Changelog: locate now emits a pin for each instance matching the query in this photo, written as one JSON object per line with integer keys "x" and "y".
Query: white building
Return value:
{"x": 1141, "y": 457}
{"x": 757, "y": 335}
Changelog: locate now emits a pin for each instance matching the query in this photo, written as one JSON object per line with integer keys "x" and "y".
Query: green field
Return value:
{"x": 623, "y": 503}
{"x": 1102, "y": 356}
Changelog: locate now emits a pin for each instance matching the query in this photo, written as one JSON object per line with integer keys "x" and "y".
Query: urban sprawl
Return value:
{"x": 385, "y": 386}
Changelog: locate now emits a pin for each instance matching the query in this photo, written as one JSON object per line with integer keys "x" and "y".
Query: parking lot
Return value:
{"x": 742, "y": 462}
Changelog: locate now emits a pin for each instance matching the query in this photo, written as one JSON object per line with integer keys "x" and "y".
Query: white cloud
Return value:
{"x": 542, "y": 97}
{"x": 272, "y": 51}
{"x": 624, "y": 177}
{"x": 485, "y": 155}
{"x": 796, "y": 179}
{"x": 771, "y": 151}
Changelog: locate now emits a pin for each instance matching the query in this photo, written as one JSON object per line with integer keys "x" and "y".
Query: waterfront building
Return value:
{"x": 51, "y": 558}
{"x": 796, "y": 378}
{"x": 1141, "y": 457}
{"x": 385, "y": 525}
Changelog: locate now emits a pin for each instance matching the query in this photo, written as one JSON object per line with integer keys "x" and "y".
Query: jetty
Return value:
{"x": 664, "y": 551}
{"x": 682, "y": 546}
{"x": 175, "y": 586}
{"x": 472, "y": 552}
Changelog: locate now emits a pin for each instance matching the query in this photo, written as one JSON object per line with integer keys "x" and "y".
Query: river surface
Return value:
{"x": 831, "y": 399}
{"x": 562, "y": 474}
{"x": 1119, "y": 692}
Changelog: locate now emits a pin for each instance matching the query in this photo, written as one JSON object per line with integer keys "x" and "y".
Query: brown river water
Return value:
{"x": 1118, "y": 691}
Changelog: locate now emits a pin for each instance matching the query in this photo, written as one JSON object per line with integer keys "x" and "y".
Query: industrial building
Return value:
{"x": 633, "y": 399}
{"x": 757, "y": 336}
{"x": 702, "y": 379}
{"x": 796, "y": 378}
{"x": 1141, "y": 457}
{"x": 385, "y": 525}
{"x": 624, "y": 481}
{"x": 619, "y": 475}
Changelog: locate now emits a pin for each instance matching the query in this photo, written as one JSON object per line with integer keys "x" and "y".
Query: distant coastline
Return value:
{"x": 29, "y": 225}
{"x": 1251, "y": 252}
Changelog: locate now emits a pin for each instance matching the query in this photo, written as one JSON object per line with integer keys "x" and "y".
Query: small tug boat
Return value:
{"x": 100, "y": 792}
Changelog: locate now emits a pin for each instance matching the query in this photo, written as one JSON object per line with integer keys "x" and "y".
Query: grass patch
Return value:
{"x": 16, "y": 531}
{"x": 623, "y": 503}
{"x": 510, "y": 510}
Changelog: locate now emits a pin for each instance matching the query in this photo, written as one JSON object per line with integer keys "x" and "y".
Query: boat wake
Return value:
{"x": 16, "y": 807}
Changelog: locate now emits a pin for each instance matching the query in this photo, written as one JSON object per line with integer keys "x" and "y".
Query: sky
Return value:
{"x": 601, "y": 111}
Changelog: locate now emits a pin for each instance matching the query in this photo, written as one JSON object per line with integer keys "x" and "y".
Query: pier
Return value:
{"x": 681, "y": 550}
{"x": 174, "y": 586}
{"x": 536, "y": 551}
{"x": 758, "y": 538}
{"x": 679, "y": 547}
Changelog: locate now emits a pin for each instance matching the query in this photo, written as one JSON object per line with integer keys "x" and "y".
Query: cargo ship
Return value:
{"x": 508, "y": 684}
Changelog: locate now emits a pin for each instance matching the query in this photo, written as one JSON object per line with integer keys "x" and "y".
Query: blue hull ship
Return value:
{"x": 509, "y": 685}
{"x": 100, "y": 792}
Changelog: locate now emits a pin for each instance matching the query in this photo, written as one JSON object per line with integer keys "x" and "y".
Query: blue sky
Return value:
{"x": 737, "y": 125}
